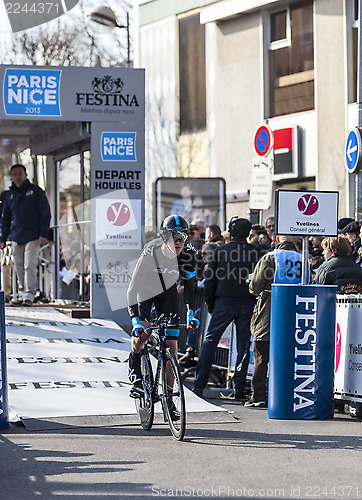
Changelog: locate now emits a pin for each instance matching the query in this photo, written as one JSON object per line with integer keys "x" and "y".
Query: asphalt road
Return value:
{"x": 246, "y": 456}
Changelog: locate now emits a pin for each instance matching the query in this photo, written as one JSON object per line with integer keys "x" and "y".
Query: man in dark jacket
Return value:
{"x": 25, "y": 221}
{"x": 228, "y": 299}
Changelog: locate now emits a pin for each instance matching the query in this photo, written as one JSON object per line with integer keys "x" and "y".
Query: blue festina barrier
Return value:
{"x": 4, "y": 415}
{"x": 302, "y": 341}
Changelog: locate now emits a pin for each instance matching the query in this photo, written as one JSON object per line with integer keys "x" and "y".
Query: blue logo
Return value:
{"x": 118, "y": 146}
{"x": 32, "y": 92}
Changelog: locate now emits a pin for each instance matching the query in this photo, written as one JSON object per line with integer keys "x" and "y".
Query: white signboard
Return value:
{"x": 261, "y": 185}
{"x": 306, "y": 213}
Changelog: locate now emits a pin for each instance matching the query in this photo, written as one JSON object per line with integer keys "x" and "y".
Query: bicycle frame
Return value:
{"x": 159, "y": 333}
{"x": 168, "y": 376}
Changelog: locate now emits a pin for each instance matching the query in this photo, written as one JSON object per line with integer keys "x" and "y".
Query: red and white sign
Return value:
{"x": 283, "y": 140}
{"x": 263, "y": 140}
{"x": 285, "y": 150}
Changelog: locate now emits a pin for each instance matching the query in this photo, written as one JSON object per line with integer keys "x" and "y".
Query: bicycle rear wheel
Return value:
{"x": 145, "y": 403}
{"x": 173, "y": 397}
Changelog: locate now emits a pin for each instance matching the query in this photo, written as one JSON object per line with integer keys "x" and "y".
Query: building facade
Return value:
{"x": 216, "y": 71}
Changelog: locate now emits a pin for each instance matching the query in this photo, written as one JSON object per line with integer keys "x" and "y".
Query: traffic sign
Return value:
{"x": 263, "y": 140}
{"x": 353, "y": 150}
{"x": 261, "y": 184}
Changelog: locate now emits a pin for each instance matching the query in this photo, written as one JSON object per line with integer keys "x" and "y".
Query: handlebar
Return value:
{"x": 165, "y": 322}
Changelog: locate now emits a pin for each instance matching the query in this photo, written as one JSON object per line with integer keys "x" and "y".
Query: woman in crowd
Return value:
{"x": 338, "y": 268}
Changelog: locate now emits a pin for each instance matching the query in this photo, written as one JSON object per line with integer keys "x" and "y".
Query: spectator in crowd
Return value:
{"x": 315, "y": 248}
{"x": 207, "y": 253}
{"x": 264, "y": 239}
{"x": 269, "y": 224}
{"x": 339, "y": 269}
{"x": 314, "y": 263}
{"x": 254, "y": 233}
{"x": 271, "y": 268}
{"x": 270, "y": 227}
{"x": 228, "y": 299}
{"x": 359, "y": 262}
{"x": 194, "y": 232}
{"x": 201, "y": 226}
{"x": 342, "y": 223}
{"x": 351, "y": 231}
{"x": 25, "y": 220}
{"x": 213, "y": 234}
{"x": 226, "y": 235}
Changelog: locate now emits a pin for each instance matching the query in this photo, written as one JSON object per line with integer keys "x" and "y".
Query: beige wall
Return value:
{"x": 330, "y": 97}
{"x": 235, "y": 83}
{"x": 192, "y": 155}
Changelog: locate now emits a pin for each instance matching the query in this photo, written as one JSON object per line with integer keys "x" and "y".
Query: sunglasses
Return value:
{"x": 179, "y": 237}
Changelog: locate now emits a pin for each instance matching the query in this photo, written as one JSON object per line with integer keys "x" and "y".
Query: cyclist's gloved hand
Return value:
{"x": 192, "y": 322}
{"x": 138, "y": 328}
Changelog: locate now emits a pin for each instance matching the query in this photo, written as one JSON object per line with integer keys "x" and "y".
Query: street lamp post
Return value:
{"x": 103, "y": 20}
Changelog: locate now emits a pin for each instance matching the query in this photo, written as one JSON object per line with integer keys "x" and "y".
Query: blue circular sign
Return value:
{"x": 353, "y": 150}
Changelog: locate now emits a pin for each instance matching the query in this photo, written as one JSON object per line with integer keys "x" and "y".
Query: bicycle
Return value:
{"x": 172, "y": 398}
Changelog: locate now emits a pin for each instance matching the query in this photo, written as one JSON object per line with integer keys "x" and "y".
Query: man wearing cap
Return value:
{"x": 342, "y": 223}
{"x": 352, "y": 233}
{"x": 228, "y": 300}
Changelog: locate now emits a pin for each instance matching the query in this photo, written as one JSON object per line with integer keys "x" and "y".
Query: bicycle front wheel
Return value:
{"x": 145, "y": 403}
{"x": 173, "y": 395}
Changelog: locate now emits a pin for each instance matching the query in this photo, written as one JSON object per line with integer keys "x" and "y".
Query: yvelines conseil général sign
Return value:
{"x": 306, "y": 213}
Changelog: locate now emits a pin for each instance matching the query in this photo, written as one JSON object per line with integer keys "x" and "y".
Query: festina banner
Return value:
{"x": 72, "y": 93}
{"x": 302, "y": 351}
{"x": 348, "y": 364}
{"x": 65, "y": 367}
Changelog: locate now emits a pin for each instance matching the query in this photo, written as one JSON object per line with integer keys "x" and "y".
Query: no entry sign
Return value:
{"x": 263, "y": 140}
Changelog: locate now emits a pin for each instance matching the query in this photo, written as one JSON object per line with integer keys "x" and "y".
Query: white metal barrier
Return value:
{"x": 348, "y": 360}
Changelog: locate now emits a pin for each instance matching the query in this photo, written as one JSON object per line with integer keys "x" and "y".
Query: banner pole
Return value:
{"x": 305, "y": 260}
{"x": 4, "y": 411}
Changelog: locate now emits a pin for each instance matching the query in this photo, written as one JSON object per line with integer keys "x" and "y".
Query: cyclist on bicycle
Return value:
{"x": 164, "y": 263}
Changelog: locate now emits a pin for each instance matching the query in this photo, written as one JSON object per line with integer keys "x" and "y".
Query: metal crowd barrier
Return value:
{"x": 45, "y": 271}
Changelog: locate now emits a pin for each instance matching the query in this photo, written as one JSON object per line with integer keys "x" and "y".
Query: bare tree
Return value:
{"x": 65, "y": 42}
